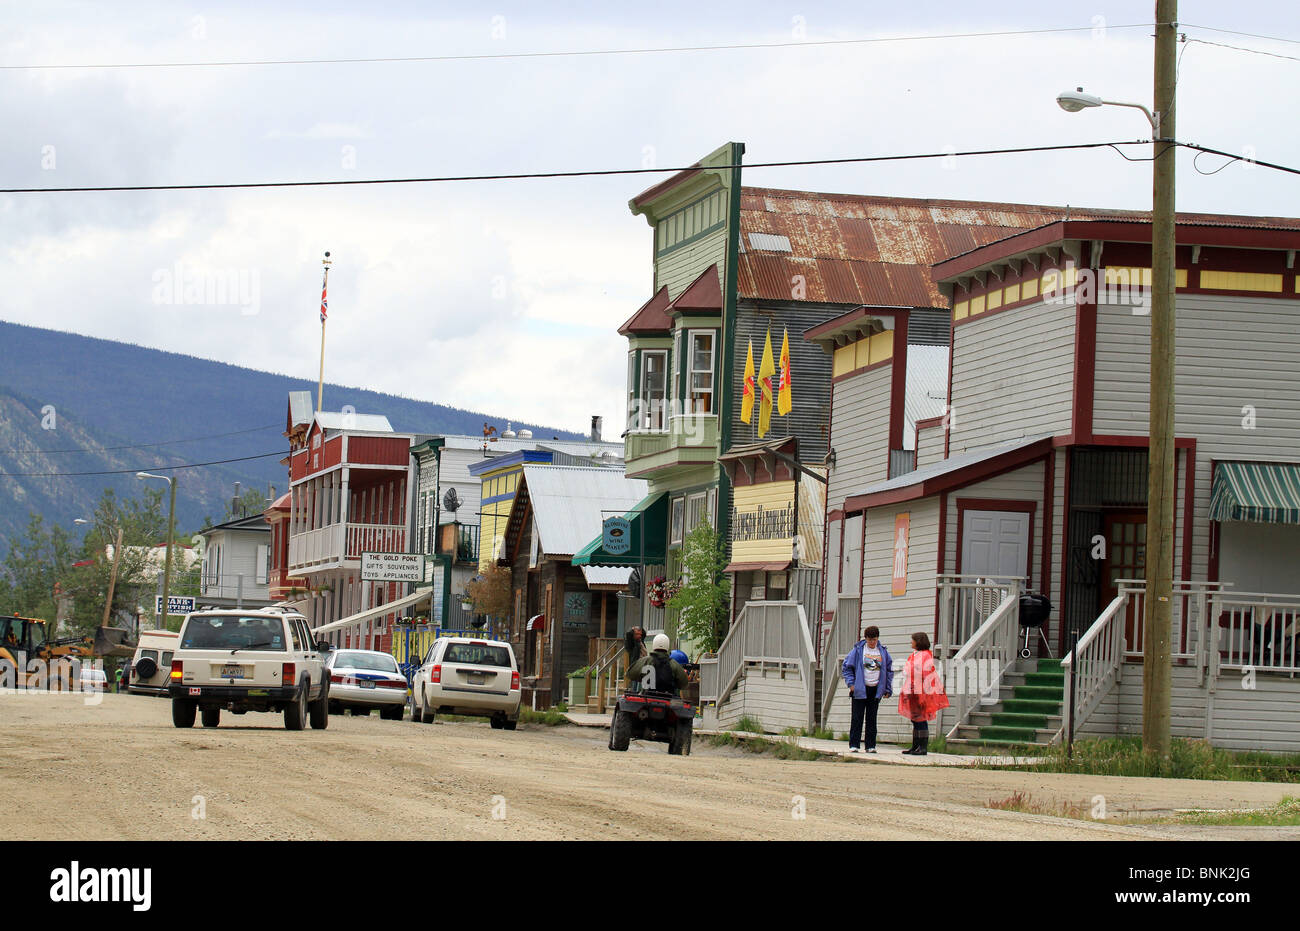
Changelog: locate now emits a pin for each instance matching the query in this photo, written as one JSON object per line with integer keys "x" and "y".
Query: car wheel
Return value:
{"x": 335, "y": 708}
{"x": 320, "y": 708}
{"x": 510, "y": 725}
{"x": 183, "y": 712}
{"x": 211, "y": 716}
{"x": 415, "y": 710}
{"x": 621, "y": 732}
{"x": 426, "y": 714}
{"x": 295, "y": 714}
{"x": 497, "y": 722}
{"x": 391, "y": 714}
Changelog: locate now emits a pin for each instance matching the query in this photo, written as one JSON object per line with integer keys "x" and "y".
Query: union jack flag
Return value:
{"x": 324, "y": 304}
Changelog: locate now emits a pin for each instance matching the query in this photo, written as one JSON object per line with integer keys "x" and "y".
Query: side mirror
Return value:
{"x": 324, "y": 646}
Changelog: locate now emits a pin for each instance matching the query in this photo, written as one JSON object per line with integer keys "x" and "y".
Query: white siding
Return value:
{"x": 1231, "y": 352}
{"x": 1024, "y": 484}
{"x": 929, "y": 445}
{"x": 774, "y": 696}
{"x": 677, "y": 269}
{"x": 897, "y": 617}
{"x": 454, "y": 471}
{"x": 860, "y": 425}
{"x": 1266, "y": 717}
{"x": 1012, "y": 375}
{"x": 1058, "y": 538}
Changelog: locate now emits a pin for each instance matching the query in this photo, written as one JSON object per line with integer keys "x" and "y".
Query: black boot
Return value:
{"x": 911, "y": 751}
{"x": 922, "y": 740}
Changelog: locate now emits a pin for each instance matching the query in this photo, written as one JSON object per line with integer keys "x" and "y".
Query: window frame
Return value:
{"x": 648, "y": 421}
{"x": 688, "y": 405}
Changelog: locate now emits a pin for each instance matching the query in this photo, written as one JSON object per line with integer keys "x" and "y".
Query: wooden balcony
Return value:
{"x": 343, "y": 544}
{"x": 689, "y": 439}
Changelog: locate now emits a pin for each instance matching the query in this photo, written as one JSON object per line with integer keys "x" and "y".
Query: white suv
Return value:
{"x": 248, "y": 660}
{"x": 461, "y": 675}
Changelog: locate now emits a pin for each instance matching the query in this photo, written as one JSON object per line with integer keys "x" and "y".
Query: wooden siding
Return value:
{"x": 929, "y": 445}
{"x": 1266, "y": 717}
{"x": 773, "y": 695}
{"x": 861, "y": 417}
{"x": 898, "y": 617}
{"x": 678, "y": 268}
{"x": 1024, "y": 484}
{"x": 891, "y": 727}
{"x": 1012, "y": 376}
{"x": 1232, "y": 352}
{"x": 810, "y": 374}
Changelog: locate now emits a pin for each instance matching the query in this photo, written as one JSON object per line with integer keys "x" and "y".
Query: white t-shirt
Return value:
{"x": 873, "y": 661}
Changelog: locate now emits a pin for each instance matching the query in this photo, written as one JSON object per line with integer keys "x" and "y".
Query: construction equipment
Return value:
{"x": 26, "y": 639}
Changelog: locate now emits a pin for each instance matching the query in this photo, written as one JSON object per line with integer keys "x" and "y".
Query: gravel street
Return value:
{"x": 119, "y": 770}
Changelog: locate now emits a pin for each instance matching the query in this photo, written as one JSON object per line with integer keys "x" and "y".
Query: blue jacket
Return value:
{"x": 855, "y": 678}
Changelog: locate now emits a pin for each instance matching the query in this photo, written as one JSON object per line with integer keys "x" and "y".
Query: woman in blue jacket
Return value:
{"x": 868, "y": 671}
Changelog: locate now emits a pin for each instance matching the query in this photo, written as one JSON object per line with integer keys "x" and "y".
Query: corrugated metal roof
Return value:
{"x": 569, "y": 503}
{"x": 927, "y": 388}
{"x": 369, "y": 423}
{"x": 607, "y": 575}
{"x": 951, "y": 464}
{"x": 860, "y": 249}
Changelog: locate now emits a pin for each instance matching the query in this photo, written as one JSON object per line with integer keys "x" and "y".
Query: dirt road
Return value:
{"x": 119, "y": 770}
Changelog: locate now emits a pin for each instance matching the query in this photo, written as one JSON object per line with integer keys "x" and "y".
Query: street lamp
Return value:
{"x": 1157, "y": 663}
{"x": 171, "y": 530}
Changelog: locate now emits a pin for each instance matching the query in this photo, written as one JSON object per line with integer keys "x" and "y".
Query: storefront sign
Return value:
{"x": 902, "y": 528}
{"x": 616, "y": 535}
{"x": 392, "y": 567}
{"x": 763, "y": 525}
{"x": 176, "y": 604}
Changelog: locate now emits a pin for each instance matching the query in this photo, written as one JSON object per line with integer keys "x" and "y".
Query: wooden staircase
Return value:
{"x": 1028, "y": 712}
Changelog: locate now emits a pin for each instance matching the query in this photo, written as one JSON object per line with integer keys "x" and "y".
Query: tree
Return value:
{"x": 702, "y": 597}
{"x": 490, "y": 592}
{"x": 38, "y": 562}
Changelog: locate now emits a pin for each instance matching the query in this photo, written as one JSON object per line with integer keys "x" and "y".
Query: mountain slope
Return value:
{"x": 61, "y": 391}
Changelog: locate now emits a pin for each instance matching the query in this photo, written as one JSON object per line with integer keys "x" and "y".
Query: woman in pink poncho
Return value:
{"x": 922, "y": 694}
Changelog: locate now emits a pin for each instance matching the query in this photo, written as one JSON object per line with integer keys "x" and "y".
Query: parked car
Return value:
{"x": 150, "y": 667}
{"x": 461, "y": 675}
{"x": 363, "y": 680}
{"x": 93, "y": 680}
{"x": 241, "y": 661}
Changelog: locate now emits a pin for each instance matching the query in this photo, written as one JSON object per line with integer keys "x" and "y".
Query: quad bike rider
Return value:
{"x": 651, "y": 707}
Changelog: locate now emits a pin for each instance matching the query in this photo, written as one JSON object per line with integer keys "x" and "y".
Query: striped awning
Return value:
{"x": 1267, "y": 492}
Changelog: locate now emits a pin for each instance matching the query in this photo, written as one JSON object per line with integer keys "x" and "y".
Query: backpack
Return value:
{"x": 665, "y": 680}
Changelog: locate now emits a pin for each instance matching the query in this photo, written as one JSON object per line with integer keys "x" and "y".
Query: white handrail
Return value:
{"x": 978, "y": 667}
{"x": 1100, "y": 659}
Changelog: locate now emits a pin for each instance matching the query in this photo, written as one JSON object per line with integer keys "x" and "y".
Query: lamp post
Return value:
{"x": 1157, "y": 666}
{"x": 171, "y": 530}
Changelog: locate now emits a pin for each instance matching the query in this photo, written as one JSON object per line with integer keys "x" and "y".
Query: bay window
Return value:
{"x": 699, "y": 374}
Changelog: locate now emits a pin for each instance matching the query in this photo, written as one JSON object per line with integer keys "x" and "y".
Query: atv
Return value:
{"x": 651, "y": 715}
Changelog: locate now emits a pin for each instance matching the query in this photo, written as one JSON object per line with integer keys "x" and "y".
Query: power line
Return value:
{"x": 1240, "y": 158}
{"x": 1234, "y": 32}
{"x": 1241, "y": 48}
{"x": 563, "y": 174}
{"x": 150, "y": 468}
{"x": 104, "y": 449}
{"x": 577, "y": 53}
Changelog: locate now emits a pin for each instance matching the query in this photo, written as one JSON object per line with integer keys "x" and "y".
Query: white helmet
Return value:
{"x": 660, "y": 642}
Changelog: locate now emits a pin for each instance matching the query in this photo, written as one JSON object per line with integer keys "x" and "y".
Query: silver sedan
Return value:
{"x": 363, "y": 680}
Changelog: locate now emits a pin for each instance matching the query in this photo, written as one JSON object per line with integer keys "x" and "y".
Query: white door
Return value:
{"x": 851, "y": 560}
{"x": 995, "y": 543}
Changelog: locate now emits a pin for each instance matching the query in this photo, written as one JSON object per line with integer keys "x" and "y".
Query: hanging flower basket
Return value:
{"x": 660, "y": 591}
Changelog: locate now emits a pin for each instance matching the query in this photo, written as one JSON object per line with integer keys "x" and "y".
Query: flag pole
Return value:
{"x": 320, "y": 385}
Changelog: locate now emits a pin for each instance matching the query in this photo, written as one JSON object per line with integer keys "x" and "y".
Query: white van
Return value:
{"x": 152, "y": 664}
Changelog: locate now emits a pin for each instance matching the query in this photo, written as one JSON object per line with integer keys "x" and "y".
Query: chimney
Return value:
{"x": 595, "y": 428}
{"x": 235, "y": 504}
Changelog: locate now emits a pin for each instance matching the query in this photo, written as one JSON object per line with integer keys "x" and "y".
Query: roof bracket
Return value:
{"x": 1072, "y": 248}
{"x": 1196, "y": 255}
{"x": 1033, "y": 259}
{"x": 1290, "y": 258}
{"x": 1094, "y": 254}
{"x": 982, "y": 277}
{"x": 996, "y": 271}
{"x": 1053, "y": 254}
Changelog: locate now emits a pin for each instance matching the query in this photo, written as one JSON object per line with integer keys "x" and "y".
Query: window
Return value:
{"x": 699, "y": 378}
{"x": 632, "y": 423}
{"x": 696, "y": 510}
{"x": 654, "y": 383}
{"x": 263, "y": 564}
{"x": 675, "y": 528}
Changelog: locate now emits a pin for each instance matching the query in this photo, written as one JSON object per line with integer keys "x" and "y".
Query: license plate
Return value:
{"x": 196, "y": 691}
{"x": 230, "y": 671}
{"x": 366, "y": 684}
{"x": 475, "y": 678}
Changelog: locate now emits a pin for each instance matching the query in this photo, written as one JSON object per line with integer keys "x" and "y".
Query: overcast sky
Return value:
{"x": 505, "y": 296}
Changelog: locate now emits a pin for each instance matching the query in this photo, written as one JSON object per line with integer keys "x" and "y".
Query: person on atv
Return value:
{"x": 658, "y": 672}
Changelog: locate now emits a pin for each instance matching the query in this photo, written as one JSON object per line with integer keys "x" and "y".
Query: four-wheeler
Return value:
{"x": 652, "y": 715}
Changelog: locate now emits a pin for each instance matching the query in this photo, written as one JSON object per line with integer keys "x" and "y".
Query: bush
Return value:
{"x": 1188, "y": 759}
{"x": 746, "y": 723}
{"x": 551, "y": 717}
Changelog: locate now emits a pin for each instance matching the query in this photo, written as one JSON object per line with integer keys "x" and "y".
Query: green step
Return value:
{"x": 1050, "y": 665}
{"x": 1039, "y": 693}
{"x": 1012, "y": 734}
{"x": 1014, "y": 719}
{"x": 1050, "y": 679}
{"x": 1031, "y": 706}
{"x": 990, "y": 742}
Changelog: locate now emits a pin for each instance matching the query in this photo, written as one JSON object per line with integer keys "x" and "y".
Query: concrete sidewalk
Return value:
{"x": 886, "y": 753}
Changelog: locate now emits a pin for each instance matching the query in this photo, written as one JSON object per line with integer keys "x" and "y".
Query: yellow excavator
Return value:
{"x": 27, "y": 639}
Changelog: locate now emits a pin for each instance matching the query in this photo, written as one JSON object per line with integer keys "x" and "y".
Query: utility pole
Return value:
{"x": 112, "y": 577}
{"x": 167, "y": 562}
{"x": 1157, "y": 668}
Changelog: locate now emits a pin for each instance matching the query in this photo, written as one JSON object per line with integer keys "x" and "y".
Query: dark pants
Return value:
{"x": 864, "y": 713}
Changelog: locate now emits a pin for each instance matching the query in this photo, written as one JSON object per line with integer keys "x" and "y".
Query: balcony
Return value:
{"x": 340, "y": 544}
{"x": 689, "y": 440}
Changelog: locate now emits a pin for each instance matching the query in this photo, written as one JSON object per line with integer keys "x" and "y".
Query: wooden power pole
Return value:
{"x": 1157, "y": 669}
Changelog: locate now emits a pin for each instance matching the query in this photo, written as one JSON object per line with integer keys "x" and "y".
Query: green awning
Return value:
{"x": 649, "y": 523}
{"x": 1260, "y": 491}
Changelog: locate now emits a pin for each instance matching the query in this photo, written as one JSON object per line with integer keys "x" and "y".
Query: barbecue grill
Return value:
{"x": 1035, "y": 609}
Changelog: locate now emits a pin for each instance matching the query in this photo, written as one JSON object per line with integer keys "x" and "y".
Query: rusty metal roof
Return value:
{"x": 652, "y": 317}
{"x": 864, "y": 249}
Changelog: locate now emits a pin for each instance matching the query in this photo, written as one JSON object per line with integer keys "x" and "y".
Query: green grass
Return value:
{"x": 550, "y": 717}
{"x": 1189, "y": 759}
{"x": 817, "y": 733}
{"x": 1284, "y": 813}
{"x": 746, "y": 723}
{"x": 937, "y": 744}
{"x": 783, "y": 748}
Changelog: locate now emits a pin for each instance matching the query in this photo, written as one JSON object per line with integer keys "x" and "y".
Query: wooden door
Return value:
{"x": 1125, "y": 558}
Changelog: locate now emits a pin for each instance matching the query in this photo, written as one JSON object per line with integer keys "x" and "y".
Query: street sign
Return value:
{"x": 616, "y": 535}
{"x": 392, "y": 567}
{"x": 176, "y": 604}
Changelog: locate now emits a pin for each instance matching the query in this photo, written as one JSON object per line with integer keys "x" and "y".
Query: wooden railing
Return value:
{"x": 336, "y": 542}
{"x": 841, "y": 638}
{"x": 606, "y": 666}
{"x": 765, "y": 631}
{"x": 975, "y": 672}
{"x": 1255, "y": 631}
{"x": 1097, "y": 662}
{"x": 966, "y": 601}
